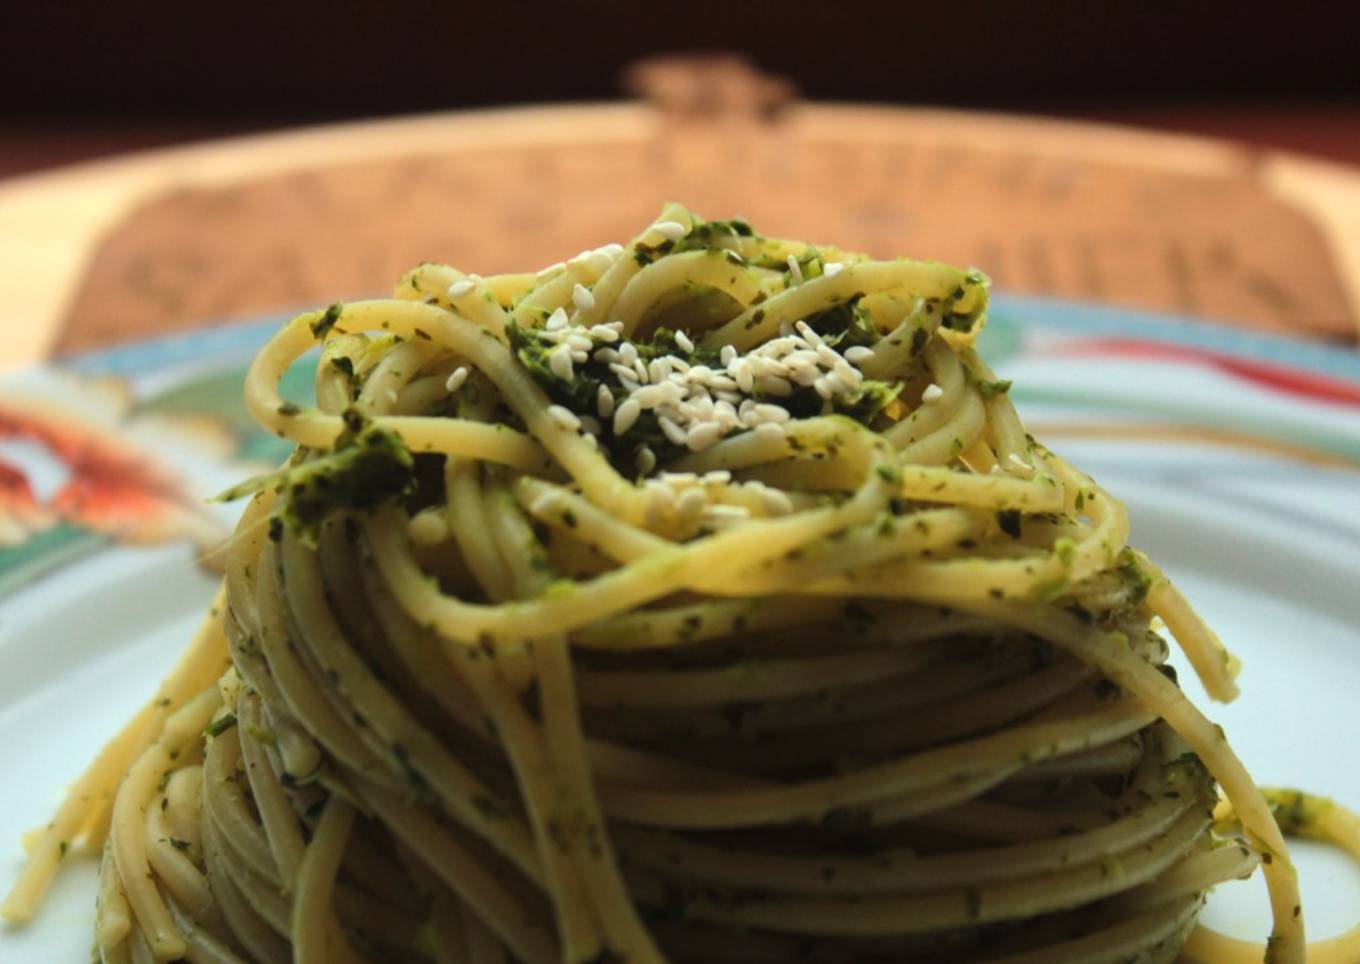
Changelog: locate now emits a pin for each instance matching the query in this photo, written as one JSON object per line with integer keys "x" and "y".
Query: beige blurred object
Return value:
{"x": 176, "y": 239}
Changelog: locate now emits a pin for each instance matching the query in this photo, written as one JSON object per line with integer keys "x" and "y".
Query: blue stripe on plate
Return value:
{"x": 1106, "y": 320}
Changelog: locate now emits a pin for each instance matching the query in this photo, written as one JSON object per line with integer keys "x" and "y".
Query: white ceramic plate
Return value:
{"x": 1238, "y": 457}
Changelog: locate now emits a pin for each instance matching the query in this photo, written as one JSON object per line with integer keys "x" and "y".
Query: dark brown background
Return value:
{"x": 80, "y": 79}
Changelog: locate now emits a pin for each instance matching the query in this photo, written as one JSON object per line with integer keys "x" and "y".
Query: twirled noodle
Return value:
{"x": 701, "y": 600}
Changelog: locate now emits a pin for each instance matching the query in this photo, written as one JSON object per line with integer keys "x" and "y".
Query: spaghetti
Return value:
{"x": 698, "y": 600}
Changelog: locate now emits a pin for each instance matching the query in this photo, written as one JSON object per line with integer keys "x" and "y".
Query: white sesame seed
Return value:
{"x": 625, "y": 415}
{"x": 691, "y": 502}
{"x": 725, "y": 408}
{"x": 605, "y": 333}
{"x": 604, "y": 402}
{"x": 678, "y": 478}
{"x": 612, "y": 249}
{"x": 717, "y": 477}
{"x": 429, "y": 528}
{"x": 559, "y": 362}
{"x": 598, "y": 262}
{"x": 775, "y": 502}
{"x": 771, "y": 413}
{"x": 674, "y": 433}
{"x": 658, "y": 369}
{"x": 795, "y": 271}
{"x": 770, "y": 430}
{"x": 837, "y": 384}
{"x": 677, "y": 363}
{"x": 580, "y": 342}
{"x": 728, "y": 396}
{"x": 564, "y": 417}
{"x": 806, "y": 375}
{"x": 745, "y": 380}
{"x": 728, "y": 355}
{"x": 460, "y": 288}
{"x": 553, "y": 268}
{"x": 582, "y": 298}
{"x": 848, "y": 374}
{"x": 579, "y": 356}
{"x": 670, "y": 230}
{"x": 823, "y": 386}
{"x": 645, "y": 459}
{"x": 606, "y": 355}
{"x": 683, "y": 341}
{"x": 774, "y": 385}
{"x": 833, "y": 268}
{"x": 623, "y": 371}
{"x": 456, "y": 379}
{"x": 556, "y": 321}
{"x": 804, "y": 329}
{"x": 641, "y": 369}
{"x": 933, "y": 393}
{"x": 827, "y": 355}
{"x": 856, "y": 354}
{"x": 649, "y": 396}
{"x": 628, "y": 353}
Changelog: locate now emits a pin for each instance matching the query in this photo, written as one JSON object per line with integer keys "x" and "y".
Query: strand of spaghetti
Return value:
{"x": 129, "y": 844}
{"x": 277, "y": 816}
{"x": 1304, "y": 815}
{"x": 113, "y": 916}
{"x": 1212, "y": 661}
{"x": 580, "y": 818}
{"x": 311, "y": 932}
{"x": 480, "y": 440}
{"x": 83, "y": 812}
{"x": 259, "y": 940}
{"x": 607, "y": 289}
{"x": 1155, "y": 805}
{"x": 1112, "y": 657}
{"x": 746, "y": 807}
{"x": 755, "y": 325}
{"x": 578, "y": 924}
{"x": 705, "y": 268}
{"x": 1120, "y": 942}
{"x": 389, "y": 726}
{"x": 176, "y": 869}
{"x": 464, "y": 875}
{"x": 479, "y": 304}
{"x": 946, "y": 374}
{"x": 916, "y": 913}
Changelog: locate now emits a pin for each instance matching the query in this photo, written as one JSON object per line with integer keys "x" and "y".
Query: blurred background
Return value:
{"x": 1221, "y": 191}
{"x": 85, "y": 79}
